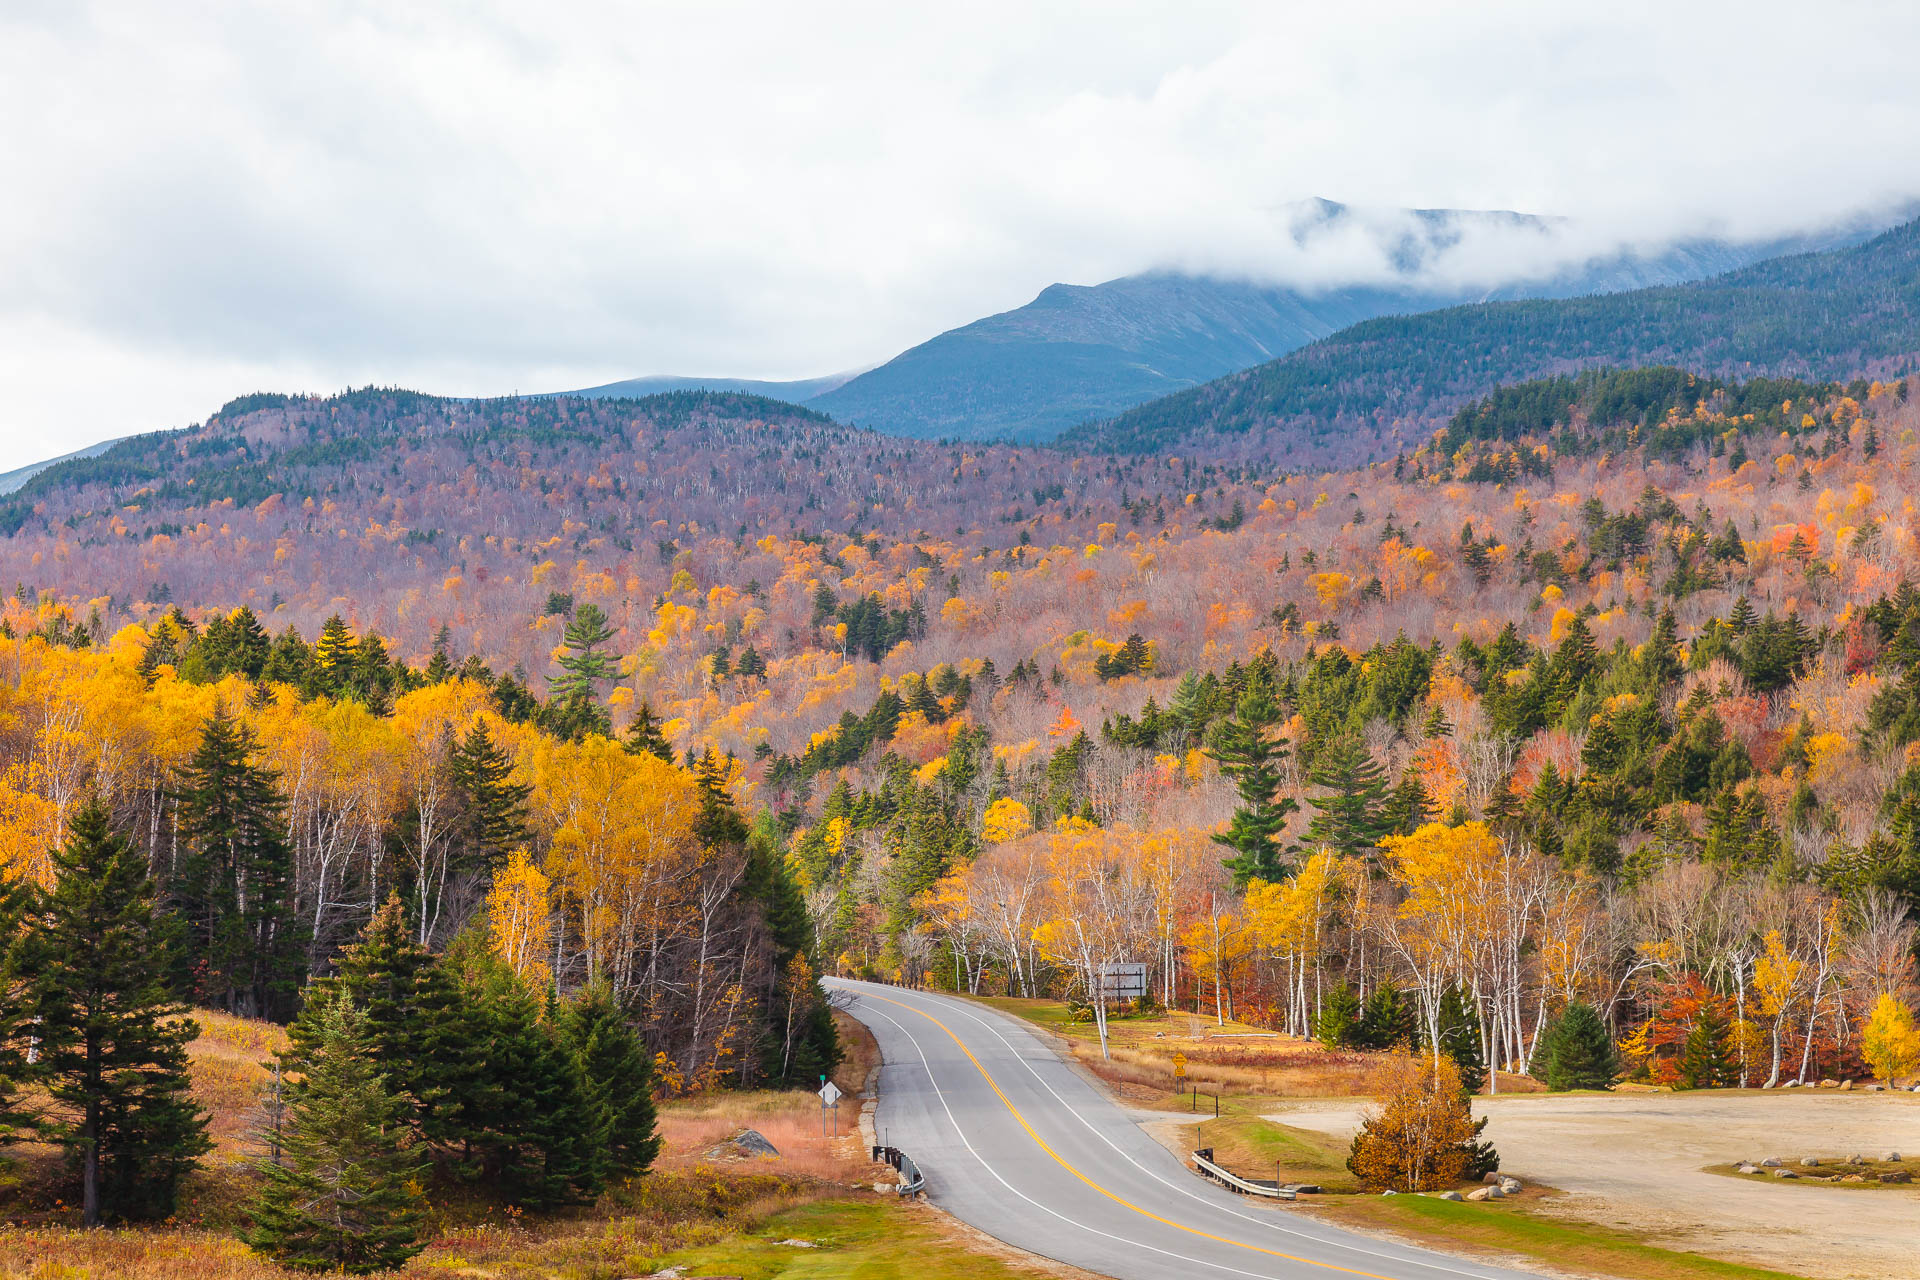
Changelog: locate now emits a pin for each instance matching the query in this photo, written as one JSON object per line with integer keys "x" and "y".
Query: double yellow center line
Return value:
{"x": 1119, "y": 1200}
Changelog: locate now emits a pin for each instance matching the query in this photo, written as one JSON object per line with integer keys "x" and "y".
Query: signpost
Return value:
{"x": 1120, "y": 983}
{"x": 1179, "y": 1066}
{"x": 829, "y": 1102}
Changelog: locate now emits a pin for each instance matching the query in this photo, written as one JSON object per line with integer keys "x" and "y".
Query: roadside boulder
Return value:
{"x": 1454, "y": 1196}
{"x": 1747, "y": 1168}
{"x": 1897, "y": 1176}
{"x": 1487, "y": 1193}
{"x": 1785, "y": 1173}
{"x": 1892, "y": 1157}
{"x": 1810, "y": 1162}
{"x": 750, "y": 1143}
{"x": 1509, "y": 1186}
{"x": 1772, "y": 1162}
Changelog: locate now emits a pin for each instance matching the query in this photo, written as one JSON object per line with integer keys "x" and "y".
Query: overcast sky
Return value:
{"x": 204, "y": 199}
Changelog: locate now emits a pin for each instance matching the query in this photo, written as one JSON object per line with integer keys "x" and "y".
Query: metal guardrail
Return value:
{"x": 1203, "y": 1159}
{"x": 913, "y": 1182}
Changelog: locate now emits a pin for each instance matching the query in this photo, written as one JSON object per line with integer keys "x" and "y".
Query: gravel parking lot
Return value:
{"x": 1634, "y": 1161}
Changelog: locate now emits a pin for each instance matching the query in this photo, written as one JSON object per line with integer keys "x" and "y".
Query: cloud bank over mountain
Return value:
{"x": 496, "y": 198}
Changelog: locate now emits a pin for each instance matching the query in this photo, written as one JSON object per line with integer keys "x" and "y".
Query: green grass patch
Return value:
{"x": 1254, "y": 1147}
{"x": 869, "y": 1239}
{"x": 1509, "y": 1228}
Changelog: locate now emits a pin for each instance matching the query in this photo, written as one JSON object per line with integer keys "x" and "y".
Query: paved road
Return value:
{"x": 1013, "y": 1141}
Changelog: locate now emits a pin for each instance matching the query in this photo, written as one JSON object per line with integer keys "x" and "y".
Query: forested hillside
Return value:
{"x": 1591, "y": 715}
{"x": 1820, "y": 315}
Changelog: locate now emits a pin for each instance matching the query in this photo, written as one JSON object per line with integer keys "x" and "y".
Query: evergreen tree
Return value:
{"x": 417, "y": 1031}
{"x": 492, "y": 807}
{"x": 1339, "y": 1020}
{"x": 1705, "y": 1062}
{"x": 345, "y": 1195}
{"x": 336, "y": 653}
{"x": 1349, "y": 818}
{"x": 15, "y": 1121}
{"x": 112, "y": 1044}
{"x": 234, "y": 885}
{"x": 1409, "y": 807}
{"x": 529, "y": 1122}
{"x": 1388, "y": 1020}
{"x": 1577, "y": 1052}
{"x": 1250, "y": 752}
{"x": 1459, "y": 1037}
{"x": 644, "y": 736}
{"x": 617, "y": 1075}
{"x": 440, "y": 665}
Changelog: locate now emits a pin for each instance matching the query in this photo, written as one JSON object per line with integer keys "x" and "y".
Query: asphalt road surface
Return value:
{"x": 1014, "y": 1142}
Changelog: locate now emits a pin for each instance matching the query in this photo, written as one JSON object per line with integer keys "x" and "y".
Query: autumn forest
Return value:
{"x": 1600, "y": 693}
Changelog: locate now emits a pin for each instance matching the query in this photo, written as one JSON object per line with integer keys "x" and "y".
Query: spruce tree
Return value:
{"x": 1578, "y": 1050}
{"x": 1704, "y": 1060}
{"x": 1387, "y": 1021}
{"x": 234, "y": 886}
{"x": 491, "y": 806}
{"x": 1339, "y": 1019}
{"x": 644, "y": 736}
{"x": 526, "y": 1120}
{"x": 112, "y": 1044}
{"x": 344, "y": 1196}
{"x": 1250, "y": 752}
{"x": 617, "y": 1082}
{"x": 1408, "y": 807}
{"x": 1349, "y": 818}
{"x": 412, "y": 1020}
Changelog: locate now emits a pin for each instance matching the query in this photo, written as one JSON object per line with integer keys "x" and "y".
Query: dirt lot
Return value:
{"x": 1634, "y": 1161}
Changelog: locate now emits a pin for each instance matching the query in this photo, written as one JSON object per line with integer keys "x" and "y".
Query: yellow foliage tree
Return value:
{"x": 1420, "y": 1136}
{"x": 1889, "y": 1040}
{"x": 520, "y": 918}
{"x": 1005, "y": 819}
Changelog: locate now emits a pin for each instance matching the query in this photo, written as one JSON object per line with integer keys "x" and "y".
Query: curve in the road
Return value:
{"x": 1211, "y": 1246}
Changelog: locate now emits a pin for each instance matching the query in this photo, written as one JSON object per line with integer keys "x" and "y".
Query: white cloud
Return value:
{"x": 212, "y": 199}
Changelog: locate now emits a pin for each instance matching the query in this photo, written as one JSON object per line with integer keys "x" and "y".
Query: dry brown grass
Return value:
{"x": 690, "y": 1200}
{"x": 626, "y": 1234}
{"x": 1294, "y": 1069}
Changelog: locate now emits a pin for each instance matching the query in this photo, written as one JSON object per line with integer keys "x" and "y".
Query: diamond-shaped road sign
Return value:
{"x": 829, "y": 1094}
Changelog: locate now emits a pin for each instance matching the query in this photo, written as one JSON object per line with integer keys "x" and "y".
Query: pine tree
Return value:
{"x": 234, "y": 886}
{"x": 345, "y": 1194}
{"x": 1349, "y": 818}
{"x": 112, "y": 1044}
{"x": 583, "y": 666}
{"x": 1250, "y": 752}
{"x": 618, "y": 1083}
{"x": 337, "y": 652}
{"x": 1578, "y": 1051}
